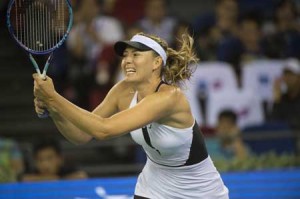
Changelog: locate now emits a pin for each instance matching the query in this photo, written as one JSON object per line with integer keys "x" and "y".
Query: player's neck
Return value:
{"x": 147, "y": 88}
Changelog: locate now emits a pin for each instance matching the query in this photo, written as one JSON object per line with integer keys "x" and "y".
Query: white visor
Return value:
{"x": 151, "y": 44}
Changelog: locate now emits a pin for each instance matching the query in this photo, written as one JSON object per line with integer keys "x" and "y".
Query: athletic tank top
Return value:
{"x": 170, "y": 146}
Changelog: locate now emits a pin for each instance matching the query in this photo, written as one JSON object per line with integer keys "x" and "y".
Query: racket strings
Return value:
{"x": 40, "y": 24}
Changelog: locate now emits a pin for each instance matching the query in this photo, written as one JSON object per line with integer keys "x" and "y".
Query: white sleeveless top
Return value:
{"x": 173, "y": 169}
{"x": 170, "y": 146}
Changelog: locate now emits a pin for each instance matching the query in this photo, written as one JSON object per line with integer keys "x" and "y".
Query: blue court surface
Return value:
{"x": 274, "y": 184}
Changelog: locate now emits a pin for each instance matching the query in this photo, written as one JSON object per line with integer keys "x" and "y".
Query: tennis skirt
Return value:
{"x": 196, "y": 181}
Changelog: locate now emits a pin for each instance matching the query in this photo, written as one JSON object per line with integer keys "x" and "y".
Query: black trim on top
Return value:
{"x": 158, "y": 86}
{"x": 148, "y": 140}
{"x": 198, "y": 151}
{"x": 145, "y": 130}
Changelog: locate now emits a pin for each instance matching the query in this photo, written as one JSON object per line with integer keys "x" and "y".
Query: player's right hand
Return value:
{"x": 40, "y": 106}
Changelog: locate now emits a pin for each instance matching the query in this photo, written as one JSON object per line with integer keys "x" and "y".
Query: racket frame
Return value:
{"x": 35, "y": 52}
{"x": 43, "y": 52}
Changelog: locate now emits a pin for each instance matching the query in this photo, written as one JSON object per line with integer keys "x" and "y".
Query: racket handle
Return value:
{"x": 44, "y": 115}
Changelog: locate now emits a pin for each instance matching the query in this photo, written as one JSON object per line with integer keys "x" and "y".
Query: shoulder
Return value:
{"x": 173, "y": 92}
{"x": 122, "y": 93}
{"x": 176, "y": 107}
{"x": 122, "y": 87}
{"x": 173, "y": 96}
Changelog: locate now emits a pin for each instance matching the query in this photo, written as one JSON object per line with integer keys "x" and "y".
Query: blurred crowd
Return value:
{"x": 247, "y": 79}
{"x": 236, "y": 33}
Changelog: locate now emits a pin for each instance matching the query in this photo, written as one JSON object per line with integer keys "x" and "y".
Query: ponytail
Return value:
{"x": 178, "y": 66}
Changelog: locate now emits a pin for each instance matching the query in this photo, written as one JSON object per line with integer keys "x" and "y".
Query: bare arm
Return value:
{"x": 156, "y": 106}
{"x": 72, "y": 133}
{"x": 151, "y": 108}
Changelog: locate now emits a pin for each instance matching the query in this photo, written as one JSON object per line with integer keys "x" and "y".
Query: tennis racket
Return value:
{"x": 40, "y": 27}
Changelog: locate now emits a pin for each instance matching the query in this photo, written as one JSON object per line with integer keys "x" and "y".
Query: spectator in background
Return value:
{"x": 243, "y": 47}
{"x": 132, "y": 30}
{"x": 285, "y": 41}
{"x": 250, "y": 38}
{"x": 91, "y": 33}
{"x": 228, "y": 143}
{"x": 227, "y": 13}
{"x": 49, "y": 163}
{"x": 157, "y": 21}
{"x": 221, "y": 27}
{"x": 11, "y": 161}
{"x": 286, "y": 106}
{"x": 105, "y": 74}
{"x": 127, "y": 11}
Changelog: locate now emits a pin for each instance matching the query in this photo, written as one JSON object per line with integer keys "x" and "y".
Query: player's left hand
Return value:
{"x": 43, "y": 88}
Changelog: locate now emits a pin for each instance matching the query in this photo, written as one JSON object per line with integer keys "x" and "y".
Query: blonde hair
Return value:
{"x": 178, "y": 66}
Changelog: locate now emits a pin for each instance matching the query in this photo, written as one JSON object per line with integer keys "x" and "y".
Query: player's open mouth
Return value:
{"x": 130, "y": 71}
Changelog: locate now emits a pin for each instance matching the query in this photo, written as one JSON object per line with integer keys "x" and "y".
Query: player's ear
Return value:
{"x": 157, "y": 62}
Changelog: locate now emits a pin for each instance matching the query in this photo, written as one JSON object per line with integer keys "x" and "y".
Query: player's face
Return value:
{"x": 137, "y": 65}
{"x": 48, "y": 162}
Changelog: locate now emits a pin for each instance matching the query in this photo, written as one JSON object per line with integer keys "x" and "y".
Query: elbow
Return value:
{"x": 102, "y": 135}
{"x": 82, "y": 141}
{"x": 105, "y": 132}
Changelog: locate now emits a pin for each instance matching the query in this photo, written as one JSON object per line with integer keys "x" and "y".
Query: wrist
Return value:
{"x": 51, "y": 103}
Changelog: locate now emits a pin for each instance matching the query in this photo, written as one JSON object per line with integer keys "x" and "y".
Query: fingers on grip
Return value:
{"x": 45, "y": 114}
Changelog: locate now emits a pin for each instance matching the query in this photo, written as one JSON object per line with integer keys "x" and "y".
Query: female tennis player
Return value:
{"x": 149, "y": 104}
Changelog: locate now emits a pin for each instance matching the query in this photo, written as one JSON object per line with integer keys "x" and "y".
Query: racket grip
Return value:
{"x": 44, "y": 115}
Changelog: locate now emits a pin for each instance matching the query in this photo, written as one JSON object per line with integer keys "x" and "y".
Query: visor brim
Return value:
{"x": 120, "y": 46}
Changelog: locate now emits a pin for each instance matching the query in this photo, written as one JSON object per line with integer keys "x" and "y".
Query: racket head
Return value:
{"x": 39, "y": 26}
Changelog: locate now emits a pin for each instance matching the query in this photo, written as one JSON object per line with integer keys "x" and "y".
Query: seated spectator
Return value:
{"x": 91, "y": 34}
{"x": 11, "y": 160}
{"x": 106, "y": 70}
{"x": 285, "y": 41}
{"x": 49, "y": 164}
{"x": 245, "y": 46}
{"x": 220, "y": 28}
{"x": 250, "y": 37}
{"x": 132, "y": 30}
{"x": 157, "y": 21}
{"x": 228, "y": 144}
{"x": 287, "y": 95}
{"x": 92, "y": 30}
{"x": 127, "y": 11}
